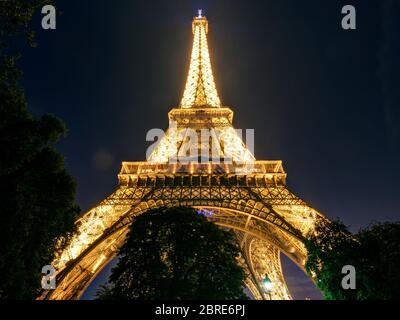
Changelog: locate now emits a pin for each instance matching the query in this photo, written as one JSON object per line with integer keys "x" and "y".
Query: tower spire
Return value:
{"x": 200, "y": 89}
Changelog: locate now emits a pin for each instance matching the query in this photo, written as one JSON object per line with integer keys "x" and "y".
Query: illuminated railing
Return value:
{"x": 257, "y": 167}
{"x": 200, "y": 117}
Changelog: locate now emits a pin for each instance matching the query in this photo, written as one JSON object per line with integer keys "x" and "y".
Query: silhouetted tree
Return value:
{"x": 176, "y": 254}
{"x": 374, "y": 252}
{"x": 36, "y": 192}
{"x": 380, "y": 261}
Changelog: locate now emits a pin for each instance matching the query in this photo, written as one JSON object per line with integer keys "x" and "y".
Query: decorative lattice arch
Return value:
{"x": 241, "y": 193}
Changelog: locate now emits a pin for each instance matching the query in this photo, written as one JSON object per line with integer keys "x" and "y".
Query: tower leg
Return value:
{"x": 262, "y": 259}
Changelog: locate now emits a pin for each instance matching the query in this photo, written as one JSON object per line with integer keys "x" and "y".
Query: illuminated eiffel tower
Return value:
{"x": 240, "y": 193}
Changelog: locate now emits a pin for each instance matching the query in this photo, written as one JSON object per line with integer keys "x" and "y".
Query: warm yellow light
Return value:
{"x": 200, "y": 89}
{"x": 98, "y": 263}
{"x": 251, "y": 208}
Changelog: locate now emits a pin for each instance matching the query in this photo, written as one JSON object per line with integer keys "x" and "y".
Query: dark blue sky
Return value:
{"x": 324, "y": 100}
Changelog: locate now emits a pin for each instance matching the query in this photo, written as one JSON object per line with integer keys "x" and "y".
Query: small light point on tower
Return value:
{"x": 200, "y": 12}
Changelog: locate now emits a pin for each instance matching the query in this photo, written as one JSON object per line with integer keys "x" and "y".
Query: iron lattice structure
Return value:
{"x": 239, "y": 193}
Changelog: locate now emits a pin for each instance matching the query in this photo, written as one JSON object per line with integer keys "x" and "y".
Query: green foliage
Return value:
{"x": 36, "y": 192}
{"x": 176, "y": 254}
{"x": 329, "y": 249}
{"x": 380, "y": 253}
{"x": 374, "y": 252}
{"x": 15, "y": 18}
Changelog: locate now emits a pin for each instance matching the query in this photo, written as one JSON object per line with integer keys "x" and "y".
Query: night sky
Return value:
{"x": 324, "y": 100}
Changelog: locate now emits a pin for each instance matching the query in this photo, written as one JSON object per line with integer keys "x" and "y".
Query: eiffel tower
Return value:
{"x": 240, "y": 193}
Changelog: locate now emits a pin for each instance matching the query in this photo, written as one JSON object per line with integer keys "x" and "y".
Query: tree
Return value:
{"x": 374, "y": 252}
{"x": 330, "y": 248}
{"x": 36, "y": 191}
{"x": 176, "y": 254}
{"x": 380, "y": 252}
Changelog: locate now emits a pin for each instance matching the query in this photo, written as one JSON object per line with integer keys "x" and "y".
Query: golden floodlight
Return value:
{"x": 247, "y": 196}
{"x": 200, "y": 89}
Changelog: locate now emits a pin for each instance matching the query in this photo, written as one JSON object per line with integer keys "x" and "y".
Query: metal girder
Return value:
{"x": 248, "y": 215}
{"x": 243, "y": 194}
